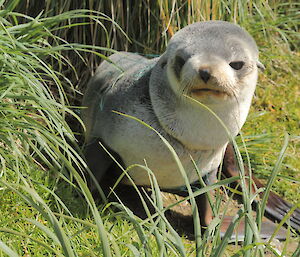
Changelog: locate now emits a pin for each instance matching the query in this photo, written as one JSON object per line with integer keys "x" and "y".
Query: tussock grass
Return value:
{"x": 48, "y": 49}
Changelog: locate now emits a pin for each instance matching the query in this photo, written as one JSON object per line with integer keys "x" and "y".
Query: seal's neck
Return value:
{"x": 192, "y": 124}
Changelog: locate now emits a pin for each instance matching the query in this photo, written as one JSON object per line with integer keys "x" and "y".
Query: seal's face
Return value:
{"x": 210, "y": 64}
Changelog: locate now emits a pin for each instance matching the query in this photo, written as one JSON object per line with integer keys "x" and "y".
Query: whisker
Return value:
{"x": 235, "y": 96}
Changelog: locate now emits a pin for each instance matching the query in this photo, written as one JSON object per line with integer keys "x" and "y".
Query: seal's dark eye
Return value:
{"x": 236, "y": 65}
{"x": 178, "y": 64}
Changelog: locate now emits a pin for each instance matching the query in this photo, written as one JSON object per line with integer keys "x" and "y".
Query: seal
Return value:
{"x": 215, "y": 63}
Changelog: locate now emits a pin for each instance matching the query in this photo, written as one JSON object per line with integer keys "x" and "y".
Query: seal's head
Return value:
{"x": 212, "y": 61}
{"x": 216, "y": 63}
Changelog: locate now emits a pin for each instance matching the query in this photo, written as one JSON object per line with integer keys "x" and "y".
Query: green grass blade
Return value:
{"x": 8, "y": 250}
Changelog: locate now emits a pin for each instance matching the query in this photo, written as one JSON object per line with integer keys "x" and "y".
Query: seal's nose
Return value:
{"x": 205, "y": 75}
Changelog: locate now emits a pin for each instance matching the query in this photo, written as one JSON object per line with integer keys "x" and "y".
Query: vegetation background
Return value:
{"x": 48, "y": 51}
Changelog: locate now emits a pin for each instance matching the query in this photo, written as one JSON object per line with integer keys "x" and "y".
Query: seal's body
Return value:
{"x": 213, "y": 62}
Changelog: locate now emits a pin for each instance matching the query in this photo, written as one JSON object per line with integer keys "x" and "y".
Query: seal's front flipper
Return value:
{"x": 98, "y": 162}
{"x": 276, "y": 207}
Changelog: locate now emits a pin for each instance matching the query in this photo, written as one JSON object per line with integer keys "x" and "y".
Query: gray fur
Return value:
{"x": 152, "y": 90}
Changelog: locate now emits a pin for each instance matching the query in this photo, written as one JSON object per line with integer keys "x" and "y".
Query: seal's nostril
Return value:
{"x": 205, "y": 75}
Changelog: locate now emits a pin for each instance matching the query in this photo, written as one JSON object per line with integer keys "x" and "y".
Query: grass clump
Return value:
{"x": 48, "y": 51}
{"x": 36, "y": 141}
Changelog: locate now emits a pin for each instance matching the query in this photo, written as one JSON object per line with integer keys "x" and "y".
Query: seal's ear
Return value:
{"x": 260, "y": 66}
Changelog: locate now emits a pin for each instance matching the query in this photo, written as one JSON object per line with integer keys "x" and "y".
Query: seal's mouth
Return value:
{"x": 208, "y": 91}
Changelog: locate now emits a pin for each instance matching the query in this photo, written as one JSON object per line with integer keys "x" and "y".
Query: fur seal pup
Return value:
{"x": 214, "y": 62}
